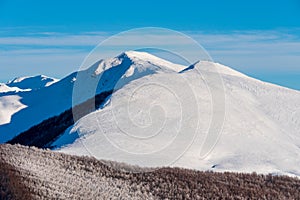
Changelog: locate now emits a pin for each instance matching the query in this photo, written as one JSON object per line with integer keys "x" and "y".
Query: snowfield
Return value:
{"x": 161, "y": 115}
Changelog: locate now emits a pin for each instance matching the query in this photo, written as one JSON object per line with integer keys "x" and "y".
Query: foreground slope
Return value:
{"x": 260, "y": 131}
{"x": 31, "y": 173}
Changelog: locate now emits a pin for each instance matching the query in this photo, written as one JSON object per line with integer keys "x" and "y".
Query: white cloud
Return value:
{"x": 70, "y": 40}
{"x": 243, "y": 50}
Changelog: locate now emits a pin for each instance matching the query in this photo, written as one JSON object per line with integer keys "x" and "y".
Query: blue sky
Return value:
{"x": 259, "y": 38}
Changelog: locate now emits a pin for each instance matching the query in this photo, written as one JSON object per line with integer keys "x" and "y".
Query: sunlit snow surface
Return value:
{"x": 9, "y": 105}
{"x": 161, "y": 118}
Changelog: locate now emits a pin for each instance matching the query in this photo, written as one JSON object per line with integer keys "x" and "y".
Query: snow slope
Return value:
{"x": 160, "y": 115}
{"x": 43, "y": 102}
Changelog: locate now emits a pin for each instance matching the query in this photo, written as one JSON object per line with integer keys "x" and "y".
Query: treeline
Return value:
{"x": 42, "y": 174}
{"x": 43, "y": 134}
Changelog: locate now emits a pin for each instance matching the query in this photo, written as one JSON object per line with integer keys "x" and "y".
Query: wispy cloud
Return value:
{"x": 50, "y": 40}
{"x": 248, "y": 51}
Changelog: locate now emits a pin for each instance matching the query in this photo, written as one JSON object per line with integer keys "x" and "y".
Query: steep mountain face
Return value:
{"x": 163, "y": 118}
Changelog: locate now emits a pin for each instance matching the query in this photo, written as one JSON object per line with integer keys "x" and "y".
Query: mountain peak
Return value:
{"x": 138, "y": 56}
{"x": 135, "y": 59}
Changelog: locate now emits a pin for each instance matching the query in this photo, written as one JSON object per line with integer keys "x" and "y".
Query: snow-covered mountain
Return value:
{"x": 160, "y": 114}
{"x": 32, "y": 82}
{"x": 150, "y": 119}
{"x": 20, "y": 110}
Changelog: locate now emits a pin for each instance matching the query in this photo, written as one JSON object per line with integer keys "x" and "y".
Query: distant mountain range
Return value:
{"x": 140, "y": 94}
